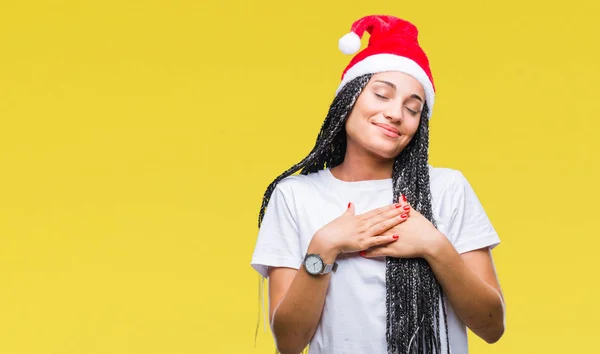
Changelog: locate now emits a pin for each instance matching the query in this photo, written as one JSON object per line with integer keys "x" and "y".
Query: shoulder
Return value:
{"x": 297, "y": 183}
{"x": 449, "y": 186}
{"x": 295, "y": 186}
{"x": 445, "y": 178}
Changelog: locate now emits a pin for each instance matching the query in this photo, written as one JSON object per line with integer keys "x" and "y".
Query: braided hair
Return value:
{"x": 413, "y": 294}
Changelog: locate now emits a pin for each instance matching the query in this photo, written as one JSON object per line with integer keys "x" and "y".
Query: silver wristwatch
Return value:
{"x": 314, "y": 265}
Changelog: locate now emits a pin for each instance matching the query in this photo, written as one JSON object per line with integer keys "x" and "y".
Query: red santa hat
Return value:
{"x": 393, "y": 46}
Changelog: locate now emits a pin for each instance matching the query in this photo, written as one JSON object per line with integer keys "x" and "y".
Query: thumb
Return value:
{"x": 402, "y": 199}
{"x": 350, "y": 210}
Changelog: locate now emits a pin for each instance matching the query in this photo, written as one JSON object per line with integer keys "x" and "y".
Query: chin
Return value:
{"x": 387, "y": 150}
{"x": 386, "y": 153}
{"x": 390, "y": 156}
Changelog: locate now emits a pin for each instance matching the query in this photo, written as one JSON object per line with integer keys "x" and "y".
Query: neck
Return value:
{"x": 362, "y": 166}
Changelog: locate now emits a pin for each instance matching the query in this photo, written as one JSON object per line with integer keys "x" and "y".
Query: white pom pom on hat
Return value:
{"x": 349, "y": 43}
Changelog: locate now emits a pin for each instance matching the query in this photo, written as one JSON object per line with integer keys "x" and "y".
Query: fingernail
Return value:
{"x": 398, "y": 205}
{"x": 362, "y": 253}
{"x": 403, "y": 216}
{"x": 403, "y": 197}
{"x": 395, "y": 237}
{"x": 349, "y": 204}
{"x": 406, "y": 207}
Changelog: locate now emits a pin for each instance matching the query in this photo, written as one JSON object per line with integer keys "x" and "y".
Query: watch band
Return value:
{"x": 330, "y": 268}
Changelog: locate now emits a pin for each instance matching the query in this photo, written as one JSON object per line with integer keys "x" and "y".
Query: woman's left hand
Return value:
{"x": 417, "y": 238}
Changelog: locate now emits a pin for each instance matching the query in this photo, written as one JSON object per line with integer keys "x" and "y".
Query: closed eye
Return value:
{"x": 414, "y": 113}
{"x": 380, "y": 96}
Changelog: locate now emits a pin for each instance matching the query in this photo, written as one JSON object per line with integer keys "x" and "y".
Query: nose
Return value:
{"x": 394, "y": 112}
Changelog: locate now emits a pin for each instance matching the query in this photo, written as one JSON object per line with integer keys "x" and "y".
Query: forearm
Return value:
{"x": 478, "y": 304}
{"x": 296, "y": 317}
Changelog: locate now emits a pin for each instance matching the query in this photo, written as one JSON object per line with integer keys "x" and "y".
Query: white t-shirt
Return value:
{"x": 354, "y": 315}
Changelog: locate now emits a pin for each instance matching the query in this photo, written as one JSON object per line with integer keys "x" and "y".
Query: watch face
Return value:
{"x": 313, "y": 264}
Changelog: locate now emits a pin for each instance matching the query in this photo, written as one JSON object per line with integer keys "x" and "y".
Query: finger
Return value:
{"x": 409, "y": 209}
{"x": 386, "y": 215}
{"x": 402, "y": 200}
{"x": 404, "y": 203}
{"x": 386, "y": 224}
{"x": 375, "y": 212}
{"x": 375, "y": 252}
{"x": 350, "y": 210}
{"x": 380, "y": 240}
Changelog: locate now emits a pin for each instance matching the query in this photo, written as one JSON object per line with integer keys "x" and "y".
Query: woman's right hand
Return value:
{"x": 353, "y": 233}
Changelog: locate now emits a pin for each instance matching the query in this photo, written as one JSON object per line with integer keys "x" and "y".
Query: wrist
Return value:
{"x": 435, "y": 246}
{"x": 324, "y": 248}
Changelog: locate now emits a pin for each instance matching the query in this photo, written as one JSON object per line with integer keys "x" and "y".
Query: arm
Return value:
{"x": 468, "y": 280}
{"x": 297, "y": 298}
{"x": 296, "y": 302}
{"x": 471, "y": 285}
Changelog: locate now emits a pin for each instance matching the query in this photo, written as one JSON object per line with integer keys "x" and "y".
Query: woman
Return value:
{"x": 370, "y": 249}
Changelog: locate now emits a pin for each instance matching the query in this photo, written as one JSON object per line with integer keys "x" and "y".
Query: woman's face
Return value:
{"x": 386, "y": 115}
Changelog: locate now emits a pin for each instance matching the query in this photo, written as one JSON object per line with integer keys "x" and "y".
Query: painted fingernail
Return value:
{"x": 398, "y": 205}
{"x": 403, "y": 197}
{"x": 362, "y": 253}
{"x": 349, "y": 204}
{"x": 404, "y": 216}
{"x": 395, "y": 237}
{"x": 406, "y": 207}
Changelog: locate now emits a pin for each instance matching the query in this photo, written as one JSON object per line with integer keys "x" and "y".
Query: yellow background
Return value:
{"x": 137, "y": 139}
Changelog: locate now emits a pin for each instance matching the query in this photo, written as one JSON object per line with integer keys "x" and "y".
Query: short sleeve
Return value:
{"x": 278, "y": 241}
{"x": 470, "y": 228}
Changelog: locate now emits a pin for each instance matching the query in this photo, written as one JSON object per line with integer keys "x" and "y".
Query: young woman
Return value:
{"x": 370, "y": 249}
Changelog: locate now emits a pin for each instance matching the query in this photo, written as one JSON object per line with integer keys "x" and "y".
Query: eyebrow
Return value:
{"x": 394, "y": 87}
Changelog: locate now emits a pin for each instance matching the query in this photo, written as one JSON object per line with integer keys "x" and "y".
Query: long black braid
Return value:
{"x": 413, "y": 294}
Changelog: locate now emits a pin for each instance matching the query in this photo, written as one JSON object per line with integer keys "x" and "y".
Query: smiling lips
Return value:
{"x": 388, "y": 130}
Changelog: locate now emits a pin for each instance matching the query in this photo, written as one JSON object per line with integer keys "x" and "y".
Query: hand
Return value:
{"x": 418, "y": 236}
{"x": 352, "y": 233}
